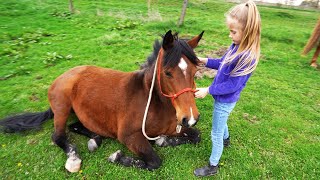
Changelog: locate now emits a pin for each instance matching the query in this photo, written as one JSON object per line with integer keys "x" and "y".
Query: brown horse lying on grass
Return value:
{"x": 111, "y": 104}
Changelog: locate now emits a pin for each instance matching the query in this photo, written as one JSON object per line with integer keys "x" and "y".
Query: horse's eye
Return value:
{"x": 168, "y": 74}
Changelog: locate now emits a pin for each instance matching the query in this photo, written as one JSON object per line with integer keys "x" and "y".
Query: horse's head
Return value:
{"x": 176, "y": 69}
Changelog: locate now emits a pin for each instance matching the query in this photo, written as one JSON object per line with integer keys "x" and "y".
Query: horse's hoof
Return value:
{"x": 161, "y": 141}
{"x": 73, "y": 164}
{"x": 115, "y": 156}
{"x": 315, "y": 65}
{"x": 92, "y": 145}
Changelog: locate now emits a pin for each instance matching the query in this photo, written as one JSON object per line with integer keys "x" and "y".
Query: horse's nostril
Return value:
{"x": 185, "y": 122}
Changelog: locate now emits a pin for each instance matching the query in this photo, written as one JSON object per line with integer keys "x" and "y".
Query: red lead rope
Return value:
{"x": 176, "y": 94}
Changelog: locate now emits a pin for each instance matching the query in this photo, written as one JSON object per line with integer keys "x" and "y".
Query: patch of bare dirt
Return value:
{"x": 207, "y": 72}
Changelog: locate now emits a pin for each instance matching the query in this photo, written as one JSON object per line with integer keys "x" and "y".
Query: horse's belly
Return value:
{"x": 99, "y": 100}
{"x": 103, "y": 126}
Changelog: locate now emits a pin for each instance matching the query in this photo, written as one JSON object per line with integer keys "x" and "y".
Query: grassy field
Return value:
{"x": 275, "y": 127}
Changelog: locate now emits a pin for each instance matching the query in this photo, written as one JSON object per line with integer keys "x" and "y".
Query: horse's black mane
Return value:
{"x": 172, "y": 56}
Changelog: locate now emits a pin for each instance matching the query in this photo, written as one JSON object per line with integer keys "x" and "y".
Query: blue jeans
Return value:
{"x": 219, "y": 130}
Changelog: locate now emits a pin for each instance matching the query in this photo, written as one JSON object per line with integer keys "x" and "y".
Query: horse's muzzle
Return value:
{"x": 189, "y": 122}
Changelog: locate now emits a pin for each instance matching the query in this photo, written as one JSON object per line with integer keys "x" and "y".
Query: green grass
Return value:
{"x": 275, "y": 127}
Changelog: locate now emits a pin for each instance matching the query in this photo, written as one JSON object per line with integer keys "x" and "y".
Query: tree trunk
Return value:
{"x": 183, "y": 12}
{"x": 149, "y": 6}
{"x": 71, "y": 8}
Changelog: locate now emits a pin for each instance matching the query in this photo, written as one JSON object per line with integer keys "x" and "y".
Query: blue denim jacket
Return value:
{"x": 226, "y": 88}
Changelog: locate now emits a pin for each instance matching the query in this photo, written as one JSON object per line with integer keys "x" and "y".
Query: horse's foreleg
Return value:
{"x": 140, "y": 146}
{"x": 95, "y": 140}
{"x": 315, "y": 57}
{"x": 187, "y": 135}
{"x": 59, "y": 138}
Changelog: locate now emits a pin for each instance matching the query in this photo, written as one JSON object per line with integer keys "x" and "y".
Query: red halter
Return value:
{"x": 176, "y": 94}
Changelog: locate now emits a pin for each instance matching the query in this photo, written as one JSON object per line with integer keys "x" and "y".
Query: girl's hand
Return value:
{"x": 201, "y": 92}
{"x": 203, "y": 60}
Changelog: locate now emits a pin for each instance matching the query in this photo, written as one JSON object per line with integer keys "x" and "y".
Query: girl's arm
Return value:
{"x": 201, "y": 92}
{"x": 229, "y": 86}
{"x": 214, "y": 63}
{"x": 203, "y": 60}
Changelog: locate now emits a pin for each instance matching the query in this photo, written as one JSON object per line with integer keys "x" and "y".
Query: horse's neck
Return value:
{"x": 161, "y": 110}
{"x": 157, "y": 97}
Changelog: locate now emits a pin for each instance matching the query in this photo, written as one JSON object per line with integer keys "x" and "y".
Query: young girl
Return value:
{"x": 234, "y": 70}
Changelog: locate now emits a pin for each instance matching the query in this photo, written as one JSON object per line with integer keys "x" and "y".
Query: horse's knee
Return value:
{"x": 153, "y": 161}
{"x": 119, "y": 157}
{"x": 193, "y": 135}
{"x": 153, "y": 165}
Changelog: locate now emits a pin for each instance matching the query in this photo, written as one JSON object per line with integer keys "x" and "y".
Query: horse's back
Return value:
{"x": 90, "y": 77}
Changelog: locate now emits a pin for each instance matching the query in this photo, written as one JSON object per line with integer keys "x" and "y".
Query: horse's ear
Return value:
{"x": 168, "y": 41}
{"x": 194, "y": 41}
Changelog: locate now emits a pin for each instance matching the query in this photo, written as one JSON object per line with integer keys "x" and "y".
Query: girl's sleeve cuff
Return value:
{"x": 213, "y": 63}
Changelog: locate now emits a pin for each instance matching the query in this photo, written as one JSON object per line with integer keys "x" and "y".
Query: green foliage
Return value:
{"x": 65, "y": 15}
{"x": 52, "y": 58}
{"x": 125, "y": 24}
{"x": 20, "y": 70}
{"x": 275, "y": 130}
{"x": 14, "y": 46}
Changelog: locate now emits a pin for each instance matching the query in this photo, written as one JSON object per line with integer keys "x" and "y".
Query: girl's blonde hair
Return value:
{"x": 248, "y": 16}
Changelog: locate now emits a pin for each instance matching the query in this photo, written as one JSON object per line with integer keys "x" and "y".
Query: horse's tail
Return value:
{"x": 25, "y": 121}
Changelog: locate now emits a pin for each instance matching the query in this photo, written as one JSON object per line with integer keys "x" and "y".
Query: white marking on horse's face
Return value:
{"x": 192, "y": 121}
{"x": 183, "y": 66}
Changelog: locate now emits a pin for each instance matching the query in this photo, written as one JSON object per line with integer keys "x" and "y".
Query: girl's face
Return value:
{"x": 236, "y": 32}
